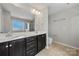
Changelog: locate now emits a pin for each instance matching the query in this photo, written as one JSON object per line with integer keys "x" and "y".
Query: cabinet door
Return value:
{"x": 4, "y": 49}
{"x": 41, "y": 42}
{"x": 17, "y": 47}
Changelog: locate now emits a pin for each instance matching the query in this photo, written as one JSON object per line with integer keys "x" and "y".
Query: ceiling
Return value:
{"x": 52, "y": 7}
{"x": 59, "y": 7}
{"x": 55, "y": 7}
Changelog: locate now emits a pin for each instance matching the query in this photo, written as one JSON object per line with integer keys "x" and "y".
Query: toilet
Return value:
{"x": 50, "y": 41}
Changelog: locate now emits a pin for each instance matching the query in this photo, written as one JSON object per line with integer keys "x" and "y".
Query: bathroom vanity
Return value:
{"x": 23, "y": 46}
{"x": 29, "y": 39}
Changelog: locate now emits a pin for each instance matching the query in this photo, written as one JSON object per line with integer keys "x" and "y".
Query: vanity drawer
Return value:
{"x": 31, "y": 52}
{"x": 29, "y": 39}
{"x": 31, "y": 43}
{"x": 31, "y": 47}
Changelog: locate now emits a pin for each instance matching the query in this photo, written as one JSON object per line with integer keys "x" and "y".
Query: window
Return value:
{"x": 19, "y": 25}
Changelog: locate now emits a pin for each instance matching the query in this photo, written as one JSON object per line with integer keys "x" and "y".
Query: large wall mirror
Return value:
{"x": 14, "y": 19}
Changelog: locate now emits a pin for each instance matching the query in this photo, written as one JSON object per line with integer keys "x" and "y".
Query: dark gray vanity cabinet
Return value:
{"x": 31, "y": 46}
{"x": 41, "y": 42}
{"x": 28, "y": 46}
{"x": 4, "y": 49}
{"x": 17, "y": 47}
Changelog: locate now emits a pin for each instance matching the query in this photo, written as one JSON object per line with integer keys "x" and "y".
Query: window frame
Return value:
{"x": 22, "y": 19}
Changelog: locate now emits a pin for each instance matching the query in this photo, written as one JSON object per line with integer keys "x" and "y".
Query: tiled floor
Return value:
{"x": 58, "y": 50}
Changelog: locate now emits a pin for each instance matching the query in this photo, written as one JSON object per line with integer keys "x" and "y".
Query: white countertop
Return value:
{"x": 18, "y": 35}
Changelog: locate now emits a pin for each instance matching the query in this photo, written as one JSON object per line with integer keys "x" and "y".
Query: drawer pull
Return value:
{"x": 6, "y": 46}
{"x": 10, "y": 45}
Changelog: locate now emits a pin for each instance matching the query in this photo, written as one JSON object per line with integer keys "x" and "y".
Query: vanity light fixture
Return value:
{"x": 33, "y": 11}
{"x": 36, "y": 12}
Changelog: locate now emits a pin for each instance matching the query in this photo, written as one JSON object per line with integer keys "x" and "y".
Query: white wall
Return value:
{"x": 4, "y": 20}
{"x": 0, "y": 18}
{"x": 41, "y": 22}
{"x": 66, "y": 27}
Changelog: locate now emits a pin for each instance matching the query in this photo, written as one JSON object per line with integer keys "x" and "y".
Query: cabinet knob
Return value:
{"x": 10, "y": 45}
{"x": 6, "y": 46}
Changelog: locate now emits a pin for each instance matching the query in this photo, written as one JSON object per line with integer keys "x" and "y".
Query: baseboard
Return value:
{"x": 66, "y": 45}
